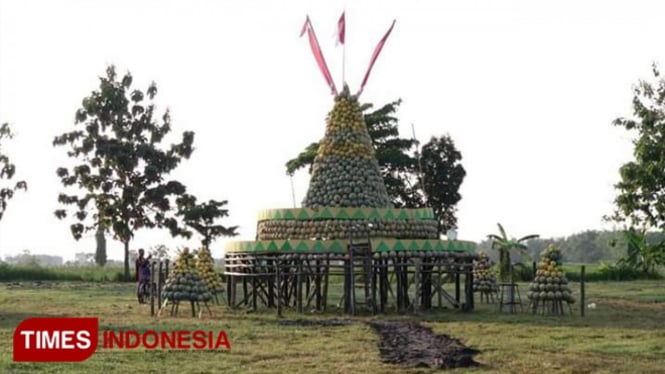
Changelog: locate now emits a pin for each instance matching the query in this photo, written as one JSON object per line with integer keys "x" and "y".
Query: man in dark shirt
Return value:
{"x": 142, "y": 274}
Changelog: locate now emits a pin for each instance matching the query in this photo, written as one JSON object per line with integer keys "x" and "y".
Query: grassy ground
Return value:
{"x": 623, "y": 334}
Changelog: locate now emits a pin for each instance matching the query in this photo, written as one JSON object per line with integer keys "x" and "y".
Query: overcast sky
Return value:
{"x": 526, "y": 89}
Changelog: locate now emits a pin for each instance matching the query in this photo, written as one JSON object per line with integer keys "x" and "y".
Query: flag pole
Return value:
{"x": 344, "y": 49}
{"x": 334, "y": 89}
{"x": 420, "y": 165}
{"x": 293, "y": 193}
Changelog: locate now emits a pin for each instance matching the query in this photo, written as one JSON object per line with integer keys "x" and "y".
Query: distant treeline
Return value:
{"x": 588, "y": 247}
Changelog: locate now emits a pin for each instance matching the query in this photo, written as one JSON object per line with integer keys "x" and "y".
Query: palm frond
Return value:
{"x": 502, "y": 231}
{"x": 528, "y": 237}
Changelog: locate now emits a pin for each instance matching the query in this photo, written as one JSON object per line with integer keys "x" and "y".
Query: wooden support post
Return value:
{"x": 457, "y": 283}
{"x": 417, "y": 283}
{"x": 468, "y": 291}
{"x": 299, "y": 275}
{"x": 374, "y": 273}
{"x": 582, "y": 291}
{"x": 439, "y": 293}
{"x": 152, "y": 293}
{"x": 245, "y": 293}
{"x": 325, "y": 283}
{"x": 278, "y": 281}
{"x": 271, "y": 283}
{"x": 255, "y": 291}
{"x": 533, "y": 269}
{"x": 317, "y": 283}
{"x": 383, "y": 284}
{"x": 352, "y": 284}
{"x": 160, "y": 284}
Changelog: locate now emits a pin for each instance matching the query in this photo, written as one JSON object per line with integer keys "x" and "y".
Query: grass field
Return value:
{"x": 625, "y": 333}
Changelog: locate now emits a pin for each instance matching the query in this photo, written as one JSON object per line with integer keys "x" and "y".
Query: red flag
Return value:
{"x": 318, "y": 54}
{"x": 341, "y": 29}
{"x": 377, "y": 50}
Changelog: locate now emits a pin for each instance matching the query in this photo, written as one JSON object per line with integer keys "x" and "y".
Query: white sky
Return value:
{"x": 526, "y": 89}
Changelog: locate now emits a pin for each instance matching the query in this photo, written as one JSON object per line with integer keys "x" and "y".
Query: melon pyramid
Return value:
{"x": 206, "y": 267}
{"x": 550, "y": 284}
{"x": 184, "y": 283}
{"x": 345, "y": 172}
{"x": 484, "y": 279}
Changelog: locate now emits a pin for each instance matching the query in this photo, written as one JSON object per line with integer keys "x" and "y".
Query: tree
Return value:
{"x": 202, "y": 216}
{"x": 641, "y": 198}
{"x": 443, "y": 175}
{"x": 7, "y": 171}
{"x": 159, "y": 252}
{"x": 505, "y": 245}
{"x": 121, "y": 171}
{"x": 392, "y": 153}
{"x": 100, "y": 252}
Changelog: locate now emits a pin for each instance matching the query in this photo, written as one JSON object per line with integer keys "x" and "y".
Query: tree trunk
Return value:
{"x": 127, "y": 261}
{"x": 100, "y": 253}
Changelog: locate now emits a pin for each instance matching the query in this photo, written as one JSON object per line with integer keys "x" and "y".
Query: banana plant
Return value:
{"x": 642, "y": 255}
{"x": 505, "y": 245}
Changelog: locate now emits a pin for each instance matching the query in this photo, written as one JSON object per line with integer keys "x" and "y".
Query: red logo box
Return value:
{"x": 55, "y": 339}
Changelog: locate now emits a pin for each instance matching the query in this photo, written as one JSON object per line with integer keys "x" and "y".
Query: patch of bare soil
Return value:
{"x": 411, "y": 345}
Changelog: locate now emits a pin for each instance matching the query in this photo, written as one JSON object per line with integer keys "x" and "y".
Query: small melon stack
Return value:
{"x": 550, "y": 283}
{"x": 184, "y": 283}
{"x": 484, "y": 279}
{"x": 206, "y": 267}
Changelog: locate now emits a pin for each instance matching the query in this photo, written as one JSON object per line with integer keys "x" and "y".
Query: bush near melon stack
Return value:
{"x": 206, "y": 267}
{"x": 345, "y": 172}
{"x": 550, "y": 282}
{"x": 184, "y": 283}
{"x": 484, "y": 279}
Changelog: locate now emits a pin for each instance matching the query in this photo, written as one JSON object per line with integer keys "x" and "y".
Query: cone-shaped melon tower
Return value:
{"x": 345, "y": 172}
{"x": 484, "y": 279}
{"x": 206, "y": 267}
{"x": 184, "y": 283}
{"x": 550, "y": 282}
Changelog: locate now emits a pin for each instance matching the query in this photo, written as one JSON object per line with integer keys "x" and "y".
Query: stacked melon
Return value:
{"x": 206, "y": 267}
{"x": 340, "y": 229}
{"x": 345, "y": 172}
{"x": 184, "y": 283}
{"x": 484, "y": 279}
{"x": 550, "y": 283}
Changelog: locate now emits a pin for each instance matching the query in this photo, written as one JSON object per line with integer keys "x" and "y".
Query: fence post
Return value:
{"x": 582, "y": 293}
{"x": 533, "y": 268}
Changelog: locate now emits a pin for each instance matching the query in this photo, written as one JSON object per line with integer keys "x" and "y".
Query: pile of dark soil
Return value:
{"x": 412, "y": 345}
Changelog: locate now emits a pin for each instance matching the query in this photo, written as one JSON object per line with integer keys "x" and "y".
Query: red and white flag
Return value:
{"x": 341, "y": 29}
{"x": 377, "y": 50}
{"x": 318, "y": 54}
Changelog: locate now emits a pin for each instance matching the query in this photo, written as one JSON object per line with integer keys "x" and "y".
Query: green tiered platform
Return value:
{"x": 347, "y": 228}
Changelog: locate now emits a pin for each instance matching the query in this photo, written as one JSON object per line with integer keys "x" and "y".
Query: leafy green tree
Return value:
{"x": 443, "y": 175}
{"x": 121, "y": 170}
{"x": 202, "y": 216}
{"x": 641, "y": 190}
{"x": 505, "y": 245}
{"x": 7, "y": 171}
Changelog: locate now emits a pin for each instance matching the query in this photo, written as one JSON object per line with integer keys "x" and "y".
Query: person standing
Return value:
{"x": 142, "y": 274}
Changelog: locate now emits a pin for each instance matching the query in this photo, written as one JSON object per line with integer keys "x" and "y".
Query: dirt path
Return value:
{"x": 412, "y": 345}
